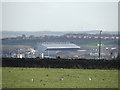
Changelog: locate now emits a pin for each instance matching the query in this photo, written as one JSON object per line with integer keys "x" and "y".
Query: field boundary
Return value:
{"x": 61, "y": 63}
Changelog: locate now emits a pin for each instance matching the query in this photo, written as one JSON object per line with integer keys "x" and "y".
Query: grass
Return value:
{"x": 91, "y": 44}
{"x": 0, "y": 78}
{"x": 84, "y": 43}
{"x": 50, "y": 78}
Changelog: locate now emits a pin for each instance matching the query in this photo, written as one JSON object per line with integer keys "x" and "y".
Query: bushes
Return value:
{"x": 60, "y": 63}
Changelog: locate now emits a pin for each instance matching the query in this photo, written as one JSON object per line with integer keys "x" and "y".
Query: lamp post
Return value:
{"x": 100, "y": 45}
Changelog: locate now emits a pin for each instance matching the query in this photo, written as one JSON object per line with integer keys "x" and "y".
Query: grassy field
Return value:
{"x": 0, "y": 78}
{"x": 85, "y": 44}
{"x": 50, "y": 78}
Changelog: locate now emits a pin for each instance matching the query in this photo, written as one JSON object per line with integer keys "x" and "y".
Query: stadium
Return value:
{"x": 53, "y": 49}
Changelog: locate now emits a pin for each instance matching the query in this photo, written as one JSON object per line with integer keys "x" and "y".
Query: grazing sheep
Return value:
{"x": 62, "y": 78}
{"x": 89, "y": 78}
{"x": 32, "y": 80}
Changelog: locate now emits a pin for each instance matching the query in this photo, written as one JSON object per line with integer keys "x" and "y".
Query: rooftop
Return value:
{"x": 59, "y": 45}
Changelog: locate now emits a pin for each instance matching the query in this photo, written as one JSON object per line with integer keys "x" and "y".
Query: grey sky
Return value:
{"x": 60, "y": 16}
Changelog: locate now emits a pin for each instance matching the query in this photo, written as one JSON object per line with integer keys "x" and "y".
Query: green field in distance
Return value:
{"x": 58, "y": 78}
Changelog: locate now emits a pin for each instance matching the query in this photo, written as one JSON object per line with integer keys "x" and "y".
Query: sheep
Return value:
{"x": 32, "y": 80}
{"x": 62, "y": 78}
{"x": 89, "y": 78}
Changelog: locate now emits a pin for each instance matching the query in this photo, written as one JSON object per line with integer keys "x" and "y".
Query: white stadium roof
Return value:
{"x": 56, "y": 46}
{"x": 59, "y": 45}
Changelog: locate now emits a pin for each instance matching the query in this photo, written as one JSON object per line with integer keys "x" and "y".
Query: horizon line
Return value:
{"x": 58, "y": 31}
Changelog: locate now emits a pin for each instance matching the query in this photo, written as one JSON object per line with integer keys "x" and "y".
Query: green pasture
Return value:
{"x": 51, "y": 78}
{"x": 85, "y": 44}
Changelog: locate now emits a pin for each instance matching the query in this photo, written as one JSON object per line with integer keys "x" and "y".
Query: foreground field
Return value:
{"x": 58, "y": 78}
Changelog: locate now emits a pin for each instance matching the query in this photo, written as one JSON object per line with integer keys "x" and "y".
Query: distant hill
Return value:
{"x": 39, "y": 33}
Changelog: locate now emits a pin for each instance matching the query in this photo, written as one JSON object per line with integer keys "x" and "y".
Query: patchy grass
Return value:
{"x": 51, "y": 78}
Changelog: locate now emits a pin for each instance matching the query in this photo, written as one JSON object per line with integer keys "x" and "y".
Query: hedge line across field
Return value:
{"x": 61, "y": 63}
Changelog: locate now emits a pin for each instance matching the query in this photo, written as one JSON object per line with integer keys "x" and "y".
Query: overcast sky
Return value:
{"x": 60, "y": 16}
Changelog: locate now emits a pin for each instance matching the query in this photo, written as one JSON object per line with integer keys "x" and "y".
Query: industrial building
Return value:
{"x": 53, "y": 49}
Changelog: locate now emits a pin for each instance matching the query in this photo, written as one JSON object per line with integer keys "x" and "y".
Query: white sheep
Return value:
{"x": 61, "y": 79}
{"x": 89, "y": 78}
{"x": 32, "y": 80}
